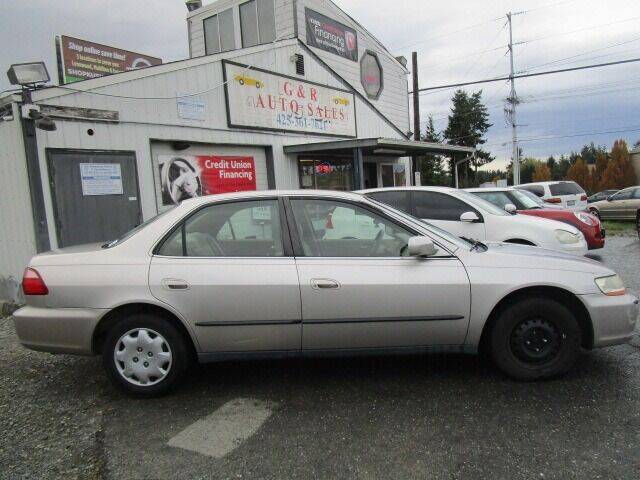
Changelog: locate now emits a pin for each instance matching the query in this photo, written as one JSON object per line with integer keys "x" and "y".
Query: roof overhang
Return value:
{"x": 381, "y": 147}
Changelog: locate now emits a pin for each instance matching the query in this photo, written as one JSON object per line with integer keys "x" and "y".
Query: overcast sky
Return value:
{"x": 597, "y": 100}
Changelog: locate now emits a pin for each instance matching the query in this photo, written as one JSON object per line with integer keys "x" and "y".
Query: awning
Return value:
{"x": 381, "y": 147}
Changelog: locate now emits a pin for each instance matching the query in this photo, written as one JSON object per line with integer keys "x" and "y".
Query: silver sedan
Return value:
{"x": 279, "y": 274}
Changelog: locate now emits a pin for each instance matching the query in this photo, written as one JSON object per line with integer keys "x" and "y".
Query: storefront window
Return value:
{"x": 394, "y": 175}
{"x": 326, "y": 174}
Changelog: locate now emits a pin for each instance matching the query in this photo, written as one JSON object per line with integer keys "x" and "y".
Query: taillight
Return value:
{"x": 32, "y": 283}
{"x": 583, "y": 198}
{"x": 553, "y": 200}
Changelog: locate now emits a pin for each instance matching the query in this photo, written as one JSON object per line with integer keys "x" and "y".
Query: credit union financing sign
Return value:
{"x": 265, "y": 100}
{"x": 82, "y": 60}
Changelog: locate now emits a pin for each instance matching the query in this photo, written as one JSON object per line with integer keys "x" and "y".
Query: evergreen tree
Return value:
{"x": 468, "y": 125}
{"x": 431, "y": 166}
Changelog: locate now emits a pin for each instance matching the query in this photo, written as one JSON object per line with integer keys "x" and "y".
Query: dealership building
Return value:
{"x": 276, "y": 94}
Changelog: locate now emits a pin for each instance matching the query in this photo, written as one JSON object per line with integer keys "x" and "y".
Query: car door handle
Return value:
{"x": 324, "y": 284}
{"x": 175, "y": 284}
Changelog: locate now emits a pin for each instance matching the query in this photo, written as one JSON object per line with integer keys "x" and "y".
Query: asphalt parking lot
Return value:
{"x": 387, "y": 417}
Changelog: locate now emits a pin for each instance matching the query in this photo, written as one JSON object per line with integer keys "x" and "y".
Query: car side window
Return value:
{"x": 537, "y": 190}
{"x": 397, "y": 199}
{"x": 623, "y": 195}
{"x": 238, "y": 229}
{"x": 636, "y": 193}
{"x": 499, "y": 199}
{"x": 439, "y": 206}
{"x": 329, "y": 228}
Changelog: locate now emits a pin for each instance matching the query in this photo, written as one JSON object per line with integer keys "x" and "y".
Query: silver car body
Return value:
{"x": 238, "y": 307}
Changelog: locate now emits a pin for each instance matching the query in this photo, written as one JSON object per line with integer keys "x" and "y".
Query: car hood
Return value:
{"x": 531, "y": 221}
{"x": 509, "y": 255}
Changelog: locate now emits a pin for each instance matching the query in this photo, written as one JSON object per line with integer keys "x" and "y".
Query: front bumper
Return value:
{"x": 613, "y": 318}
{"x": 57, "y": 330}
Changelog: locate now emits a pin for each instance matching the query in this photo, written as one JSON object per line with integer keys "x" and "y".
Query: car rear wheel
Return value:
{"x": 144, "y": 355}
{"x": 535, "y": 338}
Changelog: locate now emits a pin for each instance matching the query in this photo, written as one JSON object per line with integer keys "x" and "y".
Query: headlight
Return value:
{"x": 584, "y": 218}
{"x": 611, "y": 286}
{"x": 567, "y": 237}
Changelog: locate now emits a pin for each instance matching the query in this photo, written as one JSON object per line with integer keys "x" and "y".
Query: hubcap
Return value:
{"x": 142, "y": 356}
{"x": 535, "y": 341}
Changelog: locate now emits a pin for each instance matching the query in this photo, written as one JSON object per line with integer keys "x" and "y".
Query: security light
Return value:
{"x": 28, "y": 73}
{"x": 193, "y": 4}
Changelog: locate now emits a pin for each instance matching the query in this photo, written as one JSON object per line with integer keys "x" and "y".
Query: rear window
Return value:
{"x": 565, "y": 188}
{"x": 537, "y": 190}
{"x": 395, "y": 198}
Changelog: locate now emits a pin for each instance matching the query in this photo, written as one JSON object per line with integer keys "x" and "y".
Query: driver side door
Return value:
{"x": 360, "y": 290}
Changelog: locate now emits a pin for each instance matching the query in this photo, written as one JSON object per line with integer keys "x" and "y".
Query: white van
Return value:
{"x": 567, "y": 194}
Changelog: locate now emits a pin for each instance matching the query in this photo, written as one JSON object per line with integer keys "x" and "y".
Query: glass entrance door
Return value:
{"x": 393, "y": 174}
{"x": 326, "y": 173}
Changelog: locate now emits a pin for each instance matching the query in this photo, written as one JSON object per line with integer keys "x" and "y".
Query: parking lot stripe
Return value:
{"x": 224, "y": 430}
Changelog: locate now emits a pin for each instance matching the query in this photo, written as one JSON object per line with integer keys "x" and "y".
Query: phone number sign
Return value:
{"x": 266, "y": 100}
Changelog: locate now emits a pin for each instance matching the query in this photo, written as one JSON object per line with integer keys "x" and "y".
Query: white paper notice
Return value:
{"x": 101, "y": 179}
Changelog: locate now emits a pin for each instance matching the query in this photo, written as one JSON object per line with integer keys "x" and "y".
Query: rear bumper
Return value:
{"x": 57, "y": 330}
{"x": 613, "y": 318}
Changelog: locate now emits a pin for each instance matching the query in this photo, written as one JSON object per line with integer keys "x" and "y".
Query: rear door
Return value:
{"x": 619, "y": 204}
{"x": 358, "y": 288}
{"x": 95, "y": 195}
{"x": 228, "y": 270}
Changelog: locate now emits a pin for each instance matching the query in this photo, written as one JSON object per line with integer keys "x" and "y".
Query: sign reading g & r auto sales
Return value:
{"x": 81, "y": 60}
{"x": 266, "y": 100}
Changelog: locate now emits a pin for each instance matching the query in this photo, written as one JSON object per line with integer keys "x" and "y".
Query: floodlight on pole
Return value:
{"x": 28, "y": 74}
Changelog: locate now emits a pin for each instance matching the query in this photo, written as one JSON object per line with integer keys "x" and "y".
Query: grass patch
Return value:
{"x": 616, "y": 227}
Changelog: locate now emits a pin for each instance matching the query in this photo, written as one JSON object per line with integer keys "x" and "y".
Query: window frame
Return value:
{"x": 377, "y": 59}
{"x": 298, "y": 249}
{"x": 179, "y": 225}
{"x": 629, "y": 191}
{"x": 260, "y": 41}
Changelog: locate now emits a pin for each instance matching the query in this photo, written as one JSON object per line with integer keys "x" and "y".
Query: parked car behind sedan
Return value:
{"x": 603, "y": 195}
{"x": 512, "y": 197}
{"x": 623, "y": 205}
{"x": 467, "y": 215}
{"x": 270, "y": 274}
{"x": 566, "y": 194}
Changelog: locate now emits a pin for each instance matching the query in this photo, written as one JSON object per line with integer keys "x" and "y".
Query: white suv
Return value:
{"x": 567, "y": 195}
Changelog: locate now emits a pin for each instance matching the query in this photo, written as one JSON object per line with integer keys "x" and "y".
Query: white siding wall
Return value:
{"x": 142, "y": 121}
{"x": 17, "y": 236}
{"x": 393, "y": 101}
{"x": 284, "y": 22}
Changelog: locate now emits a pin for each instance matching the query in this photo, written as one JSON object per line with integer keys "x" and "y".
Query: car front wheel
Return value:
{"x": 145, "y": 355}
{"x": 535, "y": 338}
{"x": 595, "y": 213}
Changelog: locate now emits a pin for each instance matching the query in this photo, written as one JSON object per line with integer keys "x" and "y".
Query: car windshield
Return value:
{"x": 525, "y": 198}
{"x": 534, "y": 198}
{"x": 565, "y": 188}
{"x": 480, "y": 203}
{"x": 135, "y": 230}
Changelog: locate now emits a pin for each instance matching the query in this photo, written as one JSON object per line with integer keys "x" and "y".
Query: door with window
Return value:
{"x": 359, "y": 288}
{"x": 393, "y": 175}
{"x": 228, "y": 270}
{"x": 616, "y": 207}
{"x": 444, "y": 211}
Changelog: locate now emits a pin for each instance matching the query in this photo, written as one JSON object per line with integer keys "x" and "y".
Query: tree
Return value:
{"x": 541, "y": 172}
{"x": 619, "y": 172}
{"x": 589, "y": 153}
{"x": 467, "y": 126}
{"x": 579, "y": 173}
{"x": 432, "y": 171}
{"x": 602, "y": 160}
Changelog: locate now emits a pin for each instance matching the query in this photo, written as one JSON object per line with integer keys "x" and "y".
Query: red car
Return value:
{"x": 527, "y": 203}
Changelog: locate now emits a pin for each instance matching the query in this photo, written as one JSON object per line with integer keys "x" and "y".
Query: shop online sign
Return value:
{"x": 266, "y": 100}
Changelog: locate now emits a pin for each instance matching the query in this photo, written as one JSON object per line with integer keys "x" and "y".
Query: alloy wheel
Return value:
{"x": 142, "y": 357}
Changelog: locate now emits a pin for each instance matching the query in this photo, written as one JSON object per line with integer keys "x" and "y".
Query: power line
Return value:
{"x": 528, "y": 75}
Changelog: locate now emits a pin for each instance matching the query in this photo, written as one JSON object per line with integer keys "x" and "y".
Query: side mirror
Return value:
{"x": 469, "y": 217}
{"x": 421, "y": 247}
{"x": 609, "y": 198}
{"x": 510, "y": 208}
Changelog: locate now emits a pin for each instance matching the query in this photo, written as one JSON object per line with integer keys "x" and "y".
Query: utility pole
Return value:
{"x": 416, "y": 113}
{"x": 510, "y": 110}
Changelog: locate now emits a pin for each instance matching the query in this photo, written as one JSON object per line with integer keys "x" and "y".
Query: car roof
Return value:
{"x": 398, "y": 189}
{"x": 270, "y": 193}
{"x": 547, "y": 183}
{"x": 490, "y": 189}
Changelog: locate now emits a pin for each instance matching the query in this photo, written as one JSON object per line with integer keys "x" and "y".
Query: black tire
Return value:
{"x": 175, "y": 343}
{"x": 547, "y": 325}
{"x": 638, "y": 223}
